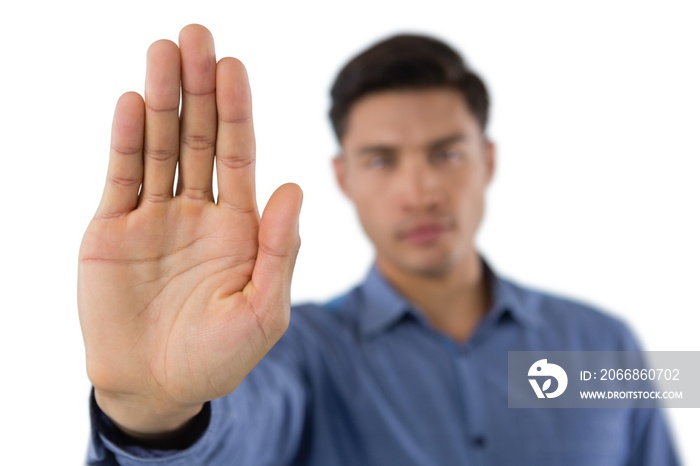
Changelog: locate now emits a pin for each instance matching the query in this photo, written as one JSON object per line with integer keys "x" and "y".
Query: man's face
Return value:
{"x": 416, "y": 166}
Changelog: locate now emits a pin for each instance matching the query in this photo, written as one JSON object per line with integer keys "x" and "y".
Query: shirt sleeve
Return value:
{"x": 260, "y": 423}
{"x": 651, "y": 443}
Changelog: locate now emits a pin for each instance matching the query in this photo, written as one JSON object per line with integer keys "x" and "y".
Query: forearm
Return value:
{"x": 262, "y": 420}
{"x": 110, "y": 445}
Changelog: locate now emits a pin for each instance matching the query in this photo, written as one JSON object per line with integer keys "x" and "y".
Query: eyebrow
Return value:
{"x": 458, "y": 137}
{"x": 387, "y": 149}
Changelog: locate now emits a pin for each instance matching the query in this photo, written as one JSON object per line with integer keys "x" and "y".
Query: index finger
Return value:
{"x": 235, "y": 140}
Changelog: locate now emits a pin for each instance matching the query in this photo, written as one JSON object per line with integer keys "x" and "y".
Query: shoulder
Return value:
{"x": 340, "y": 308}
{"x": 339, "y": 315}
{"x": 574, "y": 322}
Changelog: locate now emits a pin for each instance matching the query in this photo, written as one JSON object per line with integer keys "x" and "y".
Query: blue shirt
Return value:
{"x": 365, "y": 380}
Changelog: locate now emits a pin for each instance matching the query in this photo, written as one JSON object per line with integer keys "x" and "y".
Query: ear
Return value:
{"x": 490, "y": 154}
{"x": 341, "y": 173}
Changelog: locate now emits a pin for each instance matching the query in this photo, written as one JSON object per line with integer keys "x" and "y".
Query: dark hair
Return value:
{"x": 405, "y": 61}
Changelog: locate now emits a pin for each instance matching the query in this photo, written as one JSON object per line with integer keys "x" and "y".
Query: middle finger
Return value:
{"x": 198, "y": 116}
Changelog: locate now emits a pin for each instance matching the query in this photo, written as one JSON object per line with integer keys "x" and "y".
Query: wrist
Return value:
{"x": 146, "y": 419}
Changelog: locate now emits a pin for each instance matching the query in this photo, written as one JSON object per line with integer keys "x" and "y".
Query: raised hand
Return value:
{"x": 179, "y": 294}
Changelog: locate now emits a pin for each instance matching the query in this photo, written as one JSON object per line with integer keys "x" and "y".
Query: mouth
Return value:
{"x": 424, "y": 233}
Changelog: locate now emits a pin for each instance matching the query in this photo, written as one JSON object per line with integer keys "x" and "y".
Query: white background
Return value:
{"x": 596, "y": 114}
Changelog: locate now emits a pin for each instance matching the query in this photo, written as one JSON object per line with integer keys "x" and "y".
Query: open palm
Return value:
{"x": 181, "y": 294}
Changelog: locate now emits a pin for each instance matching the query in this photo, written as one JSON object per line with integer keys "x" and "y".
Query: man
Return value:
{"x": 183, "y": 299}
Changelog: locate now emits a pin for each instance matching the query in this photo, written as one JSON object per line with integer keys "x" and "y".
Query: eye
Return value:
{"x": 446, "y": 155}
{"x": 380, "y": 161}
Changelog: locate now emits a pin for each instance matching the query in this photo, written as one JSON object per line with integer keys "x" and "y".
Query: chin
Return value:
{"x": 434, "y": 268}
{"x": 436, "y": 261}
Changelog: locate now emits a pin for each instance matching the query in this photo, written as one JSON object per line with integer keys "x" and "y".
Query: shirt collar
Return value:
{"x": 508, "y": 300}
{"x": 384, "y": 306}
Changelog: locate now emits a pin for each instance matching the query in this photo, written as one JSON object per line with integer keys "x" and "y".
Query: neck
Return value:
{"x": 453, "y": 302}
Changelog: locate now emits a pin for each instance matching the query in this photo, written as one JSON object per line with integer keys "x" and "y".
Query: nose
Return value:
{"x": 419, "y": 187}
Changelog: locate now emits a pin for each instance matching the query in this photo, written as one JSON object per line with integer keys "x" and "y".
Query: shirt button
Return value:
{"x": 479, "y": 441}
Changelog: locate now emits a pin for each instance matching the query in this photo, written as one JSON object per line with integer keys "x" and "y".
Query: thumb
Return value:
{"x": 278, "y": 245}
